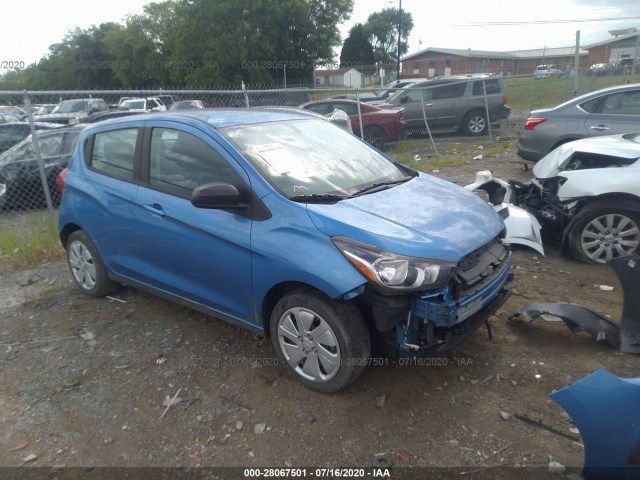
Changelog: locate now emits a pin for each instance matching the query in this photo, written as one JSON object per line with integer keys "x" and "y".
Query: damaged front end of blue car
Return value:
{"x": 434, "y": 323}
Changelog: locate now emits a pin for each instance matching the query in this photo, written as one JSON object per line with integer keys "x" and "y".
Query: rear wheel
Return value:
{"x": 604, "y": 231}
{"x": 475, "y": 123}
{"x": 87, "y": 267}
{"x": 323, "y": 343}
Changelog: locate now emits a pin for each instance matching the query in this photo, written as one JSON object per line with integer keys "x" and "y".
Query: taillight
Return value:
{"x": 533, "y": 122}
{"x": 504, "y": 99}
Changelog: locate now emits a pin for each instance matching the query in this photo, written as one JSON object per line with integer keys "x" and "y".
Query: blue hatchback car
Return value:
{"x": 289, "y": 226}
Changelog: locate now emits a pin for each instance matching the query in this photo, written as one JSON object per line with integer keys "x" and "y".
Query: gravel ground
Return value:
{"x": 84, "y": 381}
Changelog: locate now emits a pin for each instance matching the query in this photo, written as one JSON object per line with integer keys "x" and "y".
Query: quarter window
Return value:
{"x": 114, "y": 152}
{"x": 180, "y": 162}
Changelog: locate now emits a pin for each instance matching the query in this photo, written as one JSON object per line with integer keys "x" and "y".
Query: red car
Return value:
{"x": 379, "y": 126}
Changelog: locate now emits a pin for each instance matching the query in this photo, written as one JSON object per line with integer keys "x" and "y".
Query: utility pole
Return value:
{"x": 576, "y": 66}
{"x": 399, "y": 38}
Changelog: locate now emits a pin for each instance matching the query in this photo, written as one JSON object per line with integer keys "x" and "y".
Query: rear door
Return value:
{"x": 105, "y": 197}
{"x": 447, "y": 103}
{"x": 200, "y": 255}
{"x": 613, "y": 114}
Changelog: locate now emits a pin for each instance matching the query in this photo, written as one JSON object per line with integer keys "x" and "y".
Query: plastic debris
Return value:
{"x": 606, "y": 288}
{"x": 29, "y": 458}
{"x": 170, "y": 402}
{"x": 556, "y": 467}
{"x": 380, "y": 400}
{"x": 478, "y": 157}
{"x": 88, "y": 335}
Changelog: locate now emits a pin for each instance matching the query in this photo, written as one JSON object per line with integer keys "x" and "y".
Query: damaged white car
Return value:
{"x": 585, "y": 194}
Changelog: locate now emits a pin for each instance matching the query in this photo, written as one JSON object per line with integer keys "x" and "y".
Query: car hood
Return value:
{"x": 425, "y": 217}
{"x": 612, "y": 145}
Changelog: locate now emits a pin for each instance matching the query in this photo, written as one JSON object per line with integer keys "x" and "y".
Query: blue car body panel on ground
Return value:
{"x": 606, "y": 409}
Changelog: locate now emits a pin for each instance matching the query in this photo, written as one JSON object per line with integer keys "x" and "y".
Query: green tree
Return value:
{"x": 357, "y": 49}
{"x": 256, "y": 40}
{"x": 199, "y": 43}
{"x": 382, "y": 28}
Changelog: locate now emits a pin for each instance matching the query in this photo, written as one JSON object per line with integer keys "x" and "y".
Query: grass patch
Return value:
{"x": 26, "y": 246}
{"x": 449, "y": 155}
{"x": 527, "y": 93}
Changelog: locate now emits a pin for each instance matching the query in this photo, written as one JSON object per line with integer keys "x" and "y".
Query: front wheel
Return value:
{"x": 324, "y": 343}
{"x": 605, "y": 231}
{"x": 475, "y": 123}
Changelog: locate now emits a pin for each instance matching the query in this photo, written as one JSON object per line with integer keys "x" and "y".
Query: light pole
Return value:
{"x": 399, "y": 37}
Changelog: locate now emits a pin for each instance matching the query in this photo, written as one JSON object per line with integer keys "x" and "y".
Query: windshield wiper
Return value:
{"x": 376, "y": 187}
{"x": 318, "y": 198}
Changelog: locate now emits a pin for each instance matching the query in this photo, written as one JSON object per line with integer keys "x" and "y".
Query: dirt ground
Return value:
{"x": 83, "y": 381}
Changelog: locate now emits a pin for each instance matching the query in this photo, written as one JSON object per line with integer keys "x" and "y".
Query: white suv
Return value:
{"x": 546, "y": 71}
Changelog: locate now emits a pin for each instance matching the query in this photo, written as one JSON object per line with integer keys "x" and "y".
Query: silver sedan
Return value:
{"x": 608, "y": 111}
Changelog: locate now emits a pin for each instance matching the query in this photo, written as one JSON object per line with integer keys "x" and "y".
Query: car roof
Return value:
{"x": 214, "y": 117}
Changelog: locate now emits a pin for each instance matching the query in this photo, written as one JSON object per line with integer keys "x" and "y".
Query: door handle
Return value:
{"x": 154, "y": 209}
{"x": 428, "y": 104}
{"x": 600, "y": 128}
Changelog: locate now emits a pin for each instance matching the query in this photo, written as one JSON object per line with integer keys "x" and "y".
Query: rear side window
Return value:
{"x": 492, "y": 86}
{"x": 114, "y": 152}
{"x": 180, "y": 162}
{"x": 624, "y": 103}
{"x": 451, "y": 90}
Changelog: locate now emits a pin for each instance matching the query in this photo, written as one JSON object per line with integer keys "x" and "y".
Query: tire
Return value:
{"x": 86, "y": 266}
{"x": 604, "y": 230}
{"x": 376, "y": 137}
{"x": 328, "y": 362}
{"x": 475, "y": 123}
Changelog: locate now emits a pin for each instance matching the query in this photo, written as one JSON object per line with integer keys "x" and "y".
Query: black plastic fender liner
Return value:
{"x": 577, "y": 318}
{"x": 625, "y": 335}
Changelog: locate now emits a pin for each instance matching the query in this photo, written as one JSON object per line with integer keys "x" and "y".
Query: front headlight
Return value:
{"x": 393, "y": 271}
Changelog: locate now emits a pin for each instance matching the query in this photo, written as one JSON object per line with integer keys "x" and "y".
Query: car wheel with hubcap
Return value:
{"x": 324, "y": 343}
{"x": 602, "y": 232}
{"x": 475, "y": 123}
{"x": 87, "y": 267}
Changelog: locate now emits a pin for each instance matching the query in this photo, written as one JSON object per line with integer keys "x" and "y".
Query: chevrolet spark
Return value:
{"x": 286, "y": 225}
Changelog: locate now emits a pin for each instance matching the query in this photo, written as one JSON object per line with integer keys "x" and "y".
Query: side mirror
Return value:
{"x": 404, "y": 98}
{"x": 221, "y": 196}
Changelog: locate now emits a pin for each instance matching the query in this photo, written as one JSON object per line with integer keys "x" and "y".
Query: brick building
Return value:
{"x": 432, "y": 62}
{"x": 623, "y": 47}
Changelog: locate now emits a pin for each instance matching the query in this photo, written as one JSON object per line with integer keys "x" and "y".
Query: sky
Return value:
{"x": 448, "y": 24}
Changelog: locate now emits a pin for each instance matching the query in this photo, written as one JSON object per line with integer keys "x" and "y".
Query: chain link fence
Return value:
{"x": 39, "y": 129}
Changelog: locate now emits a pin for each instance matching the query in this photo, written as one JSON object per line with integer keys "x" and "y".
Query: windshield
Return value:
{"x": 71, "y": 106}
{"x": 311, "y": 157}
{"x": 133, "y": 104}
